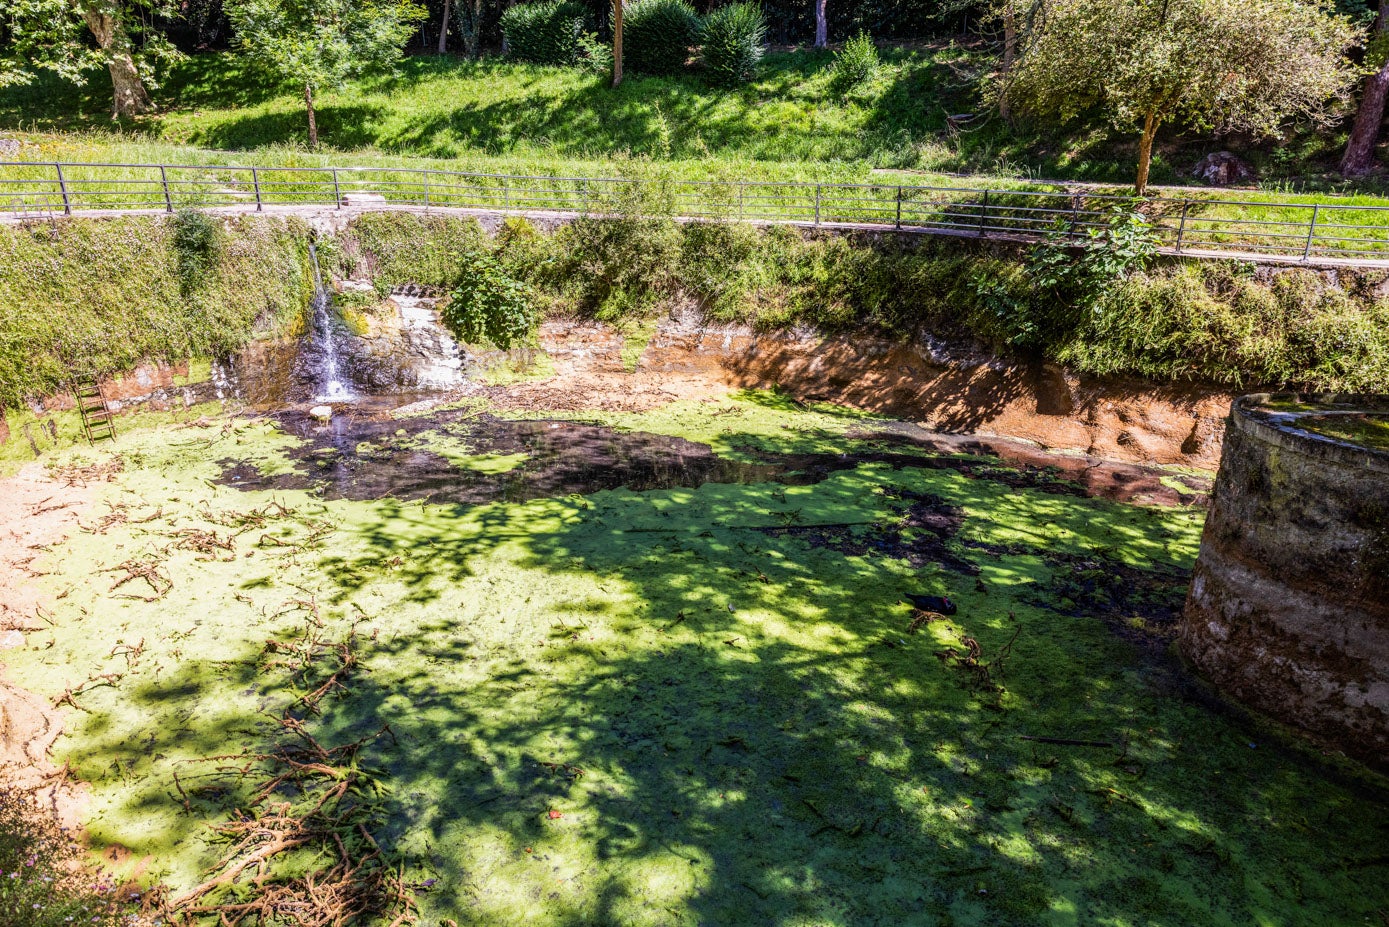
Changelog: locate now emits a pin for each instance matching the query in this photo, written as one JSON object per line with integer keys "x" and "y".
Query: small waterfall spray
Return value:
{"x": 331, "y": 387}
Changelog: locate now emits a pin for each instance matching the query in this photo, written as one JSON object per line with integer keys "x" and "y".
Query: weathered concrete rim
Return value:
{"x": 1280, "y": 429}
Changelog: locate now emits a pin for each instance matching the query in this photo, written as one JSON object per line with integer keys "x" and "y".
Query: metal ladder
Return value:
{"x": 98, "y": 421}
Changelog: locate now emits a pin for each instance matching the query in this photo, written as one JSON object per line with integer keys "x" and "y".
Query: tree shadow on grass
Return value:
{"x": 339, "y": 126}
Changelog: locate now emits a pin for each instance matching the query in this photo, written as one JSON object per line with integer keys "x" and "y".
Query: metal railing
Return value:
{"x": 1197, "y": 226}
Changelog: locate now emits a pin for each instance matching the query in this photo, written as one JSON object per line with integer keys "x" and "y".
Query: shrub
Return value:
{"x": 733, "y": 37}
{"x": 488, "y": 305}
{"x": 597, "y": 54}
{"x": 400, "y": 247}
{"x": 856, "y": 63}
{"x": 658, "y": 35}
{"x": 41, "y": 883}
{"x": 545, "y": 33}
{"x": 196, "y": 239}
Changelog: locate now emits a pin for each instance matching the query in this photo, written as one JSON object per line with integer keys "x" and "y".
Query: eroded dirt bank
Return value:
{"x": 38, "y": 509}
{"x": 929, "y": 383}
{"x": 943, "y": 387}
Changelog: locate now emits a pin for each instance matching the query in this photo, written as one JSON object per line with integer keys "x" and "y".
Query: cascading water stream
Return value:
{"x": 330, "y": 385}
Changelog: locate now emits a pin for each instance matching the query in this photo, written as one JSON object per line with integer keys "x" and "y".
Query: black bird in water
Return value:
{"x": 931, "y": 603}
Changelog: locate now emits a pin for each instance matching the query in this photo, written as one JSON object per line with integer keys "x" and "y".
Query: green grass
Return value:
{"x": 649, "y": 708}
{"x": 501, "y": 116}
{"x": 791, "y": 124}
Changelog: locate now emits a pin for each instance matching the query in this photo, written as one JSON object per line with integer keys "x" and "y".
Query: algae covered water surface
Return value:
{"x": 686, "y": 690}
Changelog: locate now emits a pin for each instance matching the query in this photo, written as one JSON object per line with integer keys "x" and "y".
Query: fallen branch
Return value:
{"x": 1066, "y": 741}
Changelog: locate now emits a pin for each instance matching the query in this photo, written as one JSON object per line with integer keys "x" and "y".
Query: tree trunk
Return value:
{"x": 1010, "y": 55}
{"x": 1360, "y": 149}
{"x": 822, "y": 31}
{"x": 444, "y": 29}
{"x": 1145, "y": 152}
{"x": 313, "y": 123}
{"x": 129, "y": 95}
{"x": 617, "y": 42}
{"x": 1369, "y": 116}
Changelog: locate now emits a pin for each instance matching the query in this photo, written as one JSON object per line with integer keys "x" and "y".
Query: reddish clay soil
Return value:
{"x": 36, "y": 509}
{"x": 942, "y": 390}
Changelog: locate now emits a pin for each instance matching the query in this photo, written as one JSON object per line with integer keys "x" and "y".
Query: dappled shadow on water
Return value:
{"x": 463, "y": 457}
{"x": 685, "y": 706}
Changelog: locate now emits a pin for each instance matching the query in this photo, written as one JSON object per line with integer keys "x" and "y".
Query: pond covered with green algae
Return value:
{"x": 693, "y": 699}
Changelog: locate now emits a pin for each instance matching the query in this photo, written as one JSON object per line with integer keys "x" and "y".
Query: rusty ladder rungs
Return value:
{"x": 98, "y": 421}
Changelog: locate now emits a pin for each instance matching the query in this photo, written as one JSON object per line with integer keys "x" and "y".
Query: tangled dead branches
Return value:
{"x": 209, "y": 545}
{"x": 301, "y": 849}
{"x": 970, "y": 657}
{"x": 119, "y": 514}
{"x": 82, "y": 474}
{"x": 921, "y": 618}
{"x": 148, "y": 570}
{"x": 96, "y": 680}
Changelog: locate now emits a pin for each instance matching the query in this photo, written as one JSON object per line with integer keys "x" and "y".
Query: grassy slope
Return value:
{"x": 501, "y": 116}
{"x": 761, "y": 742}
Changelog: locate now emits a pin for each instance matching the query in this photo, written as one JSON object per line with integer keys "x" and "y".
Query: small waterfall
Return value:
{"x": 330, "y": 385}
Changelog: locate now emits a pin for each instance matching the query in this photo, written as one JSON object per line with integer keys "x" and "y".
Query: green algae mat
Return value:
{"x": 656, "y": 669}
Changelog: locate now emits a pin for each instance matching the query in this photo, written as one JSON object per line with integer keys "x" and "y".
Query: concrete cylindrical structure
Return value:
{"x": 1289, "y": 604}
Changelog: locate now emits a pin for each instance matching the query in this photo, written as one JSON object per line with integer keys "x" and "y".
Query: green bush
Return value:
{"x": 397, "y": 248}
{"x": 92, "y": 297}
{"x": 1115, "y": 315}
{"x": 196, "y": 240}
{"x": 489, "y": 305}
{"x": 856, "y": 63}
{"x": 733, "y": 43}
{"x": 658, "y": 35}
{"x": 545, "y": 33}
{"x": 41, "y": 881}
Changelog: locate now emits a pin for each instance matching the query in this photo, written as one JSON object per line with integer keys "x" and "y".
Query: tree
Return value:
{"x": 822, "y": 31}
{"x": 1369, "y": 116}
{"x": 444, "y": 29}
{"x": 617, "y": 42}
{"x": 323, "y": 43}
{"x": 70, "y": 37}
{"x": 1222, "y": 65}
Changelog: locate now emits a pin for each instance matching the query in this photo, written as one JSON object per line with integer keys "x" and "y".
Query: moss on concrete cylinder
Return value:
{"x": 1288, "y": 611}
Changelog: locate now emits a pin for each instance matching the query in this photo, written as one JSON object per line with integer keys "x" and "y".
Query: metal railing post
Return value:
{"x": 255, "y": 182}
{"x": 817, "y": 204}
{"x": 742, "y": 188}
{"x": 1311, "y": 231}
{"x": 164, "y": 182}
{"x": 898, "y": 223}
{"x": 1181, "y": 226}
{"x": 983, "y": 210}
{"x": 337, "y": 192}
{"x": 425, "y": 175}
{"x": 506, "y": 196}
{"x": 63, "y": 189}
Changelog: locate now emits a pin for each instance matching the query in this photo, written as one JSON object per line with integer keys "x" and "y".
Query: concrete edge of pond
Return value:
{"x": 1288, "y": 610}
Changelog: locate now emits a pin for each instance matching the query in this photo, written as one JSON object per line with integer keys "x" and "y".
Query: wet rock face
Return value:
{"x": 396, "y": 346}
{"x": 400, "y": 345}
{"x": 1289, "y": 604}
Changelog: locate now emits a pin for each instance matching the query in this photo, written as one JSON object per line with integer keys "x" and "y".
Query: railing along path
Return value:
{"x": 1194, "y": 226}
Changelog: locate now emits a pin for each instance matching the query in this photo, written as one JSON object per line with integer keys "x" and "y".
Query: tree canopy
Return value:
{"x": 322, "y": 43}
{"x": 71, "y": 37}
{"x": 1216, "y": 65}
